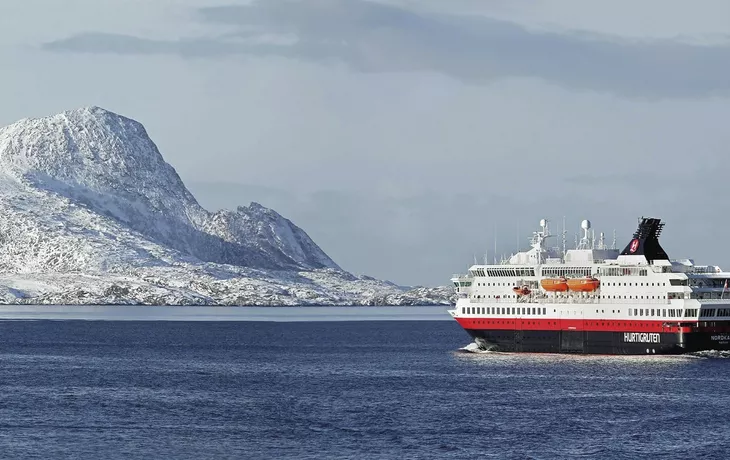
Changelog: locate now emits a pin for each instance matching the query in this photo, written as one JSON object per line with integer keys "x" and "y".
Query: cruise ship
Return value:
{"x": 595, "y": 299}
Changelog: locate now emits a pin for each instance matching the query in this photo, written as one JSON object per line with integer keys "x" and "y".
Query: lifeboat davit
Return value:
{"x": 554, "y": 284}
{"x": 588, "y": 284}
{"x": 524, "y": 290}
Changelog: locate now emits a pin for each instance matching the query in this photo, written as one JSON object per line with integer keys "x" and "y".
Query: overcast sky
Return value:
{"x": 401, "y": 134}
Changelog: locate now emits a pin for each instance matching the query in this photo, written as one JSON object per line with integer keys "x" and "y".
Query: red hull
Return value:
{"x": 578, "y": 325}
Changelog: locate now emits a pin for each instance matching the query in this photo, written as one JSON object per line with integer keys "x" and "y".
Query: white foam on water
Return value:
{"x": 714, "y": 354}
{"x": 474, "y": 348}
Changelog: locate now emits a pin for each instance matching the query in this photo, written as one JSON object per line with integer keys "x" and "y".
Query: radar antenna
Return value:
{"x": 587, "y": 241}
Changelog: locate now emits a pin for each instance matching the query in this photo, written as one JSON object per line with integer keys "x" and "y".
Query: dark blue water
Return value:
{"x": 387, "y": 389}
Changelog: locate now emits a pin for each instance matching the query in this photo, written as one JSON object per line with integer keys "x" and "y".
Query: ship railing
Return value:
{"x": 701, "y": 270}
{"x": 712, "y": 301}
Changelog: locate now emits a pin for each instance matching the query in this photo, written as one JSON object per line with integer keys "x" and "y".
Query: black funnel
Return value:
{"x": 646, "y": 241}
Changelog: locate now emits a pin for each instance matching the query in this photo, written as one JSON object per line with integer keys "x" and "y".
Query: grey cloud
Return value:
{"x": 635, "y": 180}
{"x": 372, "y": 37}
{"x": 109, "y": 43}
{"x": 97, "y": 43}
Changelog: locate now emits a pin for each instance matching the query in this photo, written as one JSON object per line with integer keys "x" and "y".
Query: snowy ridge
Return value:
{"x": 264, "y": 230}
{"x": 91, "y": 213}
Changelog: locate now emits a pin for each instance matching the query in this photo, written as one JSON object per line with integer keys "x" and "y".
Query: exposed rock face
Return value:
{"x": 91, "y": 213}
{"x": 263, "y": 230}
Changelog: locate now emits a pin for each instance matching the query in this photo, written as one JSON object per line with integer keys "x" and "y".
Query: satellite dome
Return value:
{"x": 585, "y": 225}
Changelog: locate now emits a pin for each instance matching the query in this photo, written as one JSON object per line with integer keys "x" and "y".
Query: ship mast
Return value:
{"x": 564, "y": 232}
{"x": 495, "y": 244}
{"x": 539, "y": 237}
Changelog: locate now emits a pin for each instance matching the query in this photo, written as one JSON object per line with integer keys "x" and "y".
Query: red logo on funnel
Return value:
{"x": 634, "y": 246}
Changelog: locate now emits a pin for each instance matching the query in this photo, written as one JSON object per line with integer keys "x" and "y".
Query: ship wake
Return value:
{"x": 715, "y": 354}
{"x": 475, "y": 348}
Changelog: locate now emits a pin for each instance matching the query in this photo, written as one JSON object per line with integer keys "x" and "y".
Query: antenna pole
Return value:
{"x": 495, "y": 244}
{"x": 613, "y": 246}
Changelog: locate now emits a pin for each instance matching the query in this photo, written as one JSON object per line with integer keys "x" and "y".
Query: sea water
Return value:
{"x": 330, "y": 388}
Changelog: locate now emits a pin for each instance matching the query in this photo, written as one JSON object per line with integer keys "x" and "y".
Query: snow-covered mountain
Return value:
{"x": 91, "y": 213}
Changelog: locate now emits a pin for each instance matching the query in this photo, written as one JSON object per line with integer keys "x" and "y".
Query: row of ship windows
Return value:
{"x": 716, "y": 312}
{"x": 502, "y": 272}
{"x": 622, "y": 271}
{"x": 511, "y": 323}
{"x": 633, "y": 284}
{"x": 634, "y": 297}
{"x": 560, "y": 271}
{"x": 566, "y": 271}
{"x": 673, "y": 312}
{"x": 510, "y": 296}
{"x": 664, "y": 312}
{"x": 504, "y": 310}
{"x": 604, "y": 284}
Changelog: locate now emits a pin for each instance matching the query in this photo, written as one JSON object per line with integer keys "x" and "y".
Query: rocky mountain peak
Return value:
{"x": 108, "y": 164}
{"x": 92, "y": 153}
{"x": 271, "y": 232}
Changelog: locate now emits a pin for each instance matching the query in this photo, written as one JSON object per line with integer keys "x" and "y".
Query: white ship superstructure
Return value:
{"x": 595, "y": 299}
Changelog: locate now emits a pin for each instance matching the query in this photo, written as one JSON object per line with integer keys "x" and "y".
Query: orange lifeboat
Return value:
{"x": 554, "y": 284}
{"x": 587, "y": 284}
{"x": 524, "y": 290}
